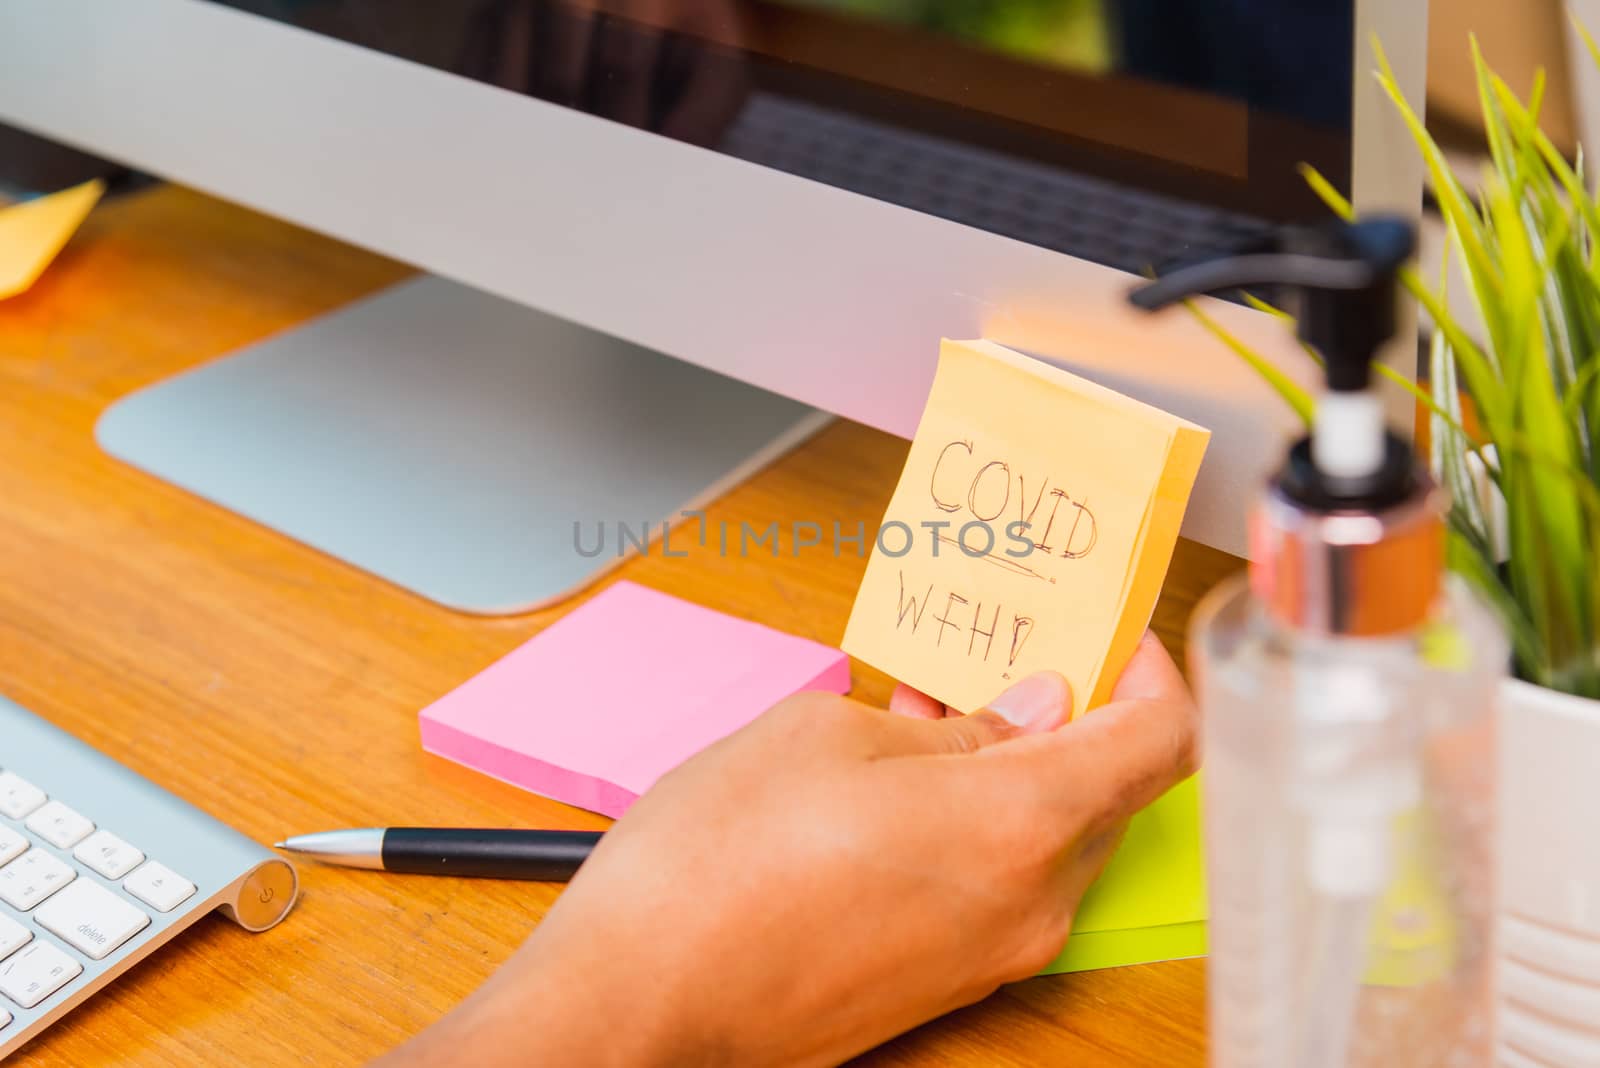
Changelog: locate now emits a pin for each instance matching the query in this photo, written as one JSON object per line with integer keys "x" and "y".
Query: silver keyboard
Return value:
{"x": 98, "y": 867}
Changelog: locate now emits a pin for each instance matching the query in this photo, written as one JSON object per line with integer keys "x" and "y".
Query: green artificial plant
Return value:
{"x": 1524, "y": 472}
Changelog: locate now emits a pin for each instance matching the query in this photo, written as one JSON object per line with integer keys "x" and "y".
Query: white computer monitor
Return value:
{"x": 802, "y": 195}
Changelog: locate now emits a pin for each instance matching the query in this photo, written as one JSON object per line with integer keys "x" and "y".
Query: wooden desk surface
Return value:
{"x": 278, "y": 689}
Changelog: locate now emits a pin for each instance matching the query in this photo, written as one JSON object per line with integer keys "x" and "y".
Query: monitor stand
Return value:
{"x": 449, "y": 441}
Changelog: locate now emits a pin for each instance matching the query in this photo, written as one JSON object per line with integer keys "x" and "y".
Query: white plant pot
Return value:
{"x": 1549, "y": 868}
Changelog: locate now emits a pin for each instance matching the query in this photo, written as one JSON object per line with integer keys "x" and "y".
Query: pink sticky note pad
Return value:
{"x": 602, "y": 703}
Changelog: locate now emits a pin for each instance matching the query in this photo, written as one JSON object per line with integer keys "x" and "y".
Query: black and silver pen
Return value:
{"x": 535, "y": 856}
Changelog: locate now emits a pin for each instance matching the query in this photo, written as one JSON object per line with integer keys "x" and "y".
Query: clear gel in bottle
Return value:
{"x": 1347, "y": 692}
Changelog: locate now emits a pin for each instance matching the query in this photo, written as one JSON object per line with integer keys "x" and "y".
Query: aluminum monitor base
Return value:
{"x": 448, "y": 441}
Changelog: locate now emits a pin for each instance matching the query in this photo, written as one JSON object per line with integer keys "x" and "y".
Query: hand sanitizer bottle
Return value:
{"x": 1347, "y": 694}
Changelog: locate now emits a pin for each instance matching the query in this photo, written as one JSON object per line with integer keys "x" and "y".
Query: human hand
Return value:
{"x": 830, "y": 876}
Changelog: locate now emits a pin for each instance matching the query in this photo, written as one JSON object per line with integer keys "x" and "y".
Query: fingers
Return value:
{"x": 1040, "y": 702}
{"x": 1107, "y": 765}
{"x": 1129, "y": 753}
{"x": 915, "y": 704}
{"x": 1150, "y": 673}
{"x": 907, "y": 736}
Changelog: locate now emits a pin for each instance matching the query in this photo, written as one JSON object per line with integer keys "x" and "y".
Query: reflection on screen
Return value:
{"x": 1289, "y": 57}
{"x": 1134, "y": 133}
{"x": 1073, "y": 34}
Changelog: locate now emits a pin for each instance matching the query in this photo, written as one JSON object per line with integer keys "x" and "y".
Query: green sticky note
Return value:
{"x": 1150, "y": 902}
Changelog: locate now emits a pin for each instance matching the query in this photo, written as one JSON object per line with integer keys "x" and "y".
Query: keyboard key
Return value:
{"x": 157, "y": 886}
{"x": 107, "y": 854}
{"x": 90, "y": 918}
{"x": 5, "y": 1019}
{"x": 33, "y": 974}
{"x": 33, "y": 877}
{"x": 12, "y": 845}
{"x": 18, "y": 796}
{"x": 59, "y": 825}
{"x": 13, "y": 936}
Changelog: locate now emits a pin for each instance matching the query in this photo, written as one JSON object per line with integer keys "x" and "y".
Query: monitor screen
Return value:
{"x": 1134, "y": 133}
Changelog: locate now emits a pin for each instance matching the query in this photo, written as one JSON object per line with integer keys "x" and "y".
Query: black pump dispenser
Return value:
{"x": 1345, "y": 276}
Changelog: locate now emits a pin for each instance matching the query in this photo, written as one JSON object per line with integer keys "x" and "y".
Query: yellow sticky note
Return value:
{"x": 1031, "y": 529}
{"x": 1083, "y": 491}
{"x": 31, "y": 233}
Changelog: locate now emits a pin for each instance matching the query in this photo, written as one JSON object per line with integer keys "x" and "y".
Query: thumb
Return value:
{"x": 1122, "y": 756}
{"x": 1040, "y": 702}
